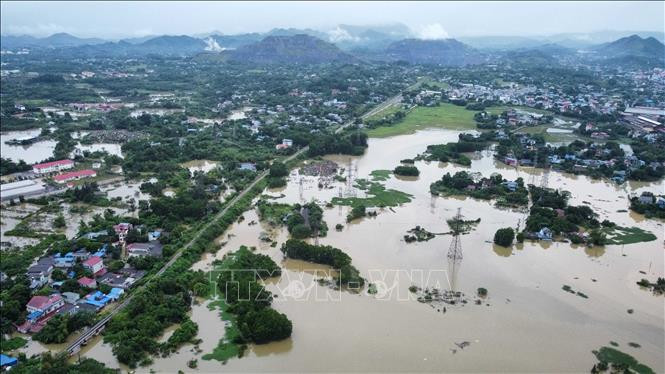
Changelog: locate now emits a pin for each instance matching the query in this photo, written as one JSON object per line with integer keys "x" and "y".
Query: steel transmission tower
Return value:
{"x": 350, "y": 190}
{"x": 455, "y": 250}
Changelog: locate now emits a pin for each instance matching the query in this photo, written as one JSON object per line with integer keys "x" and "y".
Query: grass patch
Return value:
{"x": 620, "y": 360}
{"x": 13, "y": 344}
{"x": 226, "y": 348}
{"x": 432, "y": 83}
{"x": 445, "y": 116}
{"x": 380, "y": 175}
{"x": 391, "y": 109}
{"x": 627, "y": 235}
{"x": 377, "y": 196}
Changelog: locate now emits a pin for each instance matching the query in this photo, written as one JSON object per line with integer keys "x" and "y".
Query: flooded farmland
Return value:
{"x": 526, "y": 314}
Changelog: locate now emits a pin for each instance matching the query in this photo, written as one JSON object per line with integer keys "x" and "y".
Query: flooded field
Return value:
{"x": 39, "y": 151}
{"x": 110, "y": 148}
{"x": 527, "y": 323}
{"x": 199, "y": 165}
{"x": 32, "y": 153}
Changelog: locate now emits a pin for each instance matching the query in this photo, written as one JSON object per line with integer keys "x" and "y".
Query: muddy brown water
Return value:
{"x": 530, "y": 325}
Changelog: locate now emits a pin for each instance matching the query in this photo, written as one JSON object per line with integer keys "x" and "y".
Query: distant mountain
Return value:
{"x": 235, "y": 41}
{"x": 138, "y": 40}
{"x": 66, "y": 40}
{"x": 293, "y": 31}
{"x": 296, "y": 49}
{"x": 585, "y": 40}
{"x": 173, "y": 45}
{"x": 59, "y": 40}
{"x": 372, "y": 38}
{"x": 448, "y": 52}
{"x": 529, "y": 57}
{"x": 500, "y": 42}
{"x": 17, "y": 41}
{"x": 632, "y": 46}
{"x": 160, "y": 45}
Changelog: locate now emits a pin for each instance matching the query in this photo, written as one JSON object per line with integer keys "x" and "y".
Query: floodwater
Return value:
{"x": 32, "y": 153}
{"x": 199, "y": 165}
{"x": 530, "y": 324}
{"x": 39, "y": 151}
{"x": 239, "y": 113}
{"x": 110, "y": 148}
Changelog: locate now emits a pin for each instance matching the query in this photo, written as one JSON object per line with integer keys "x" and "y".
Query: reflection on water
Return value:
{"x": 356, "y": 332}
{"x": 595, "y": 251}
{"x": 502, "y": 251}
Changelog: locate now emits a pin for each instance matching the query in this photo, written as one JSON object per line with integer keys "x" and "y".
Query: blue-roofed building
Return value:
{"x": 66, "y": 261}
{"x": 57, "y": 285}
{"x": 154, "y": 235}
{"x": 97, "y": 299}
{"x": 102, "y": 251}
{"x": 116, "y": 293}
{"x": 7, "y": 361}
{"x": 33, "y": 316}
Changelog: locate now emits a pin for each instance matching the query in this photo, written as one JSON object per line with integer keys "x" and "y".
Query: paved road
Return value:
{"x": 95, "y": 329}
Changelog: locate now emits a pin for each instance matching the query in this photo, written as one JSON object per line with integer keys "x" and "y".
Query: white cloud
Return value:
{"x": 212, "y": 46}
{"x": 432, "y": 32}
{"x": 340, "y": 35}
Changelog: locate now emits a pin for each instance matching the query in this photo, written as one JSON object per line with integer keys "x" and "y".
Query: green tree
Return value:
{"x": 278, "y": 170}
{"x": 59, "y": 221}
{"x": 504, "y": 237}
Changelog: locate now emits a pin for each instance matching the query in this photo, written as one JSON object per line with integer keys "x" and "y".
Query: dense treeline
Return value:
{"x": 494, "y": 187}
{"x": 452, "y": 152}
{"x": 239, "y": 284}
{"x": 350, "y": 143}
{"x": 58, "y": 328}
{"x": 409, "y": 171}
{"x": 293, "y": 216}
{"x": 7, "y": 166}
{"x": 326, "y": 255}
{"x": 163, "y": 302}
{"x": 47, "y": 363}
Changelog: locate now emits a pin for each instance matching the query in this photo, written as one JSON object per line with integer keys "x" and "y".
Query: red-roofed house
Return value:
{"x": 95, "y": 265}
{"x": 45, "y": 304}
{"x": 87, "y": 282}
{"x": 53, "y": 166}
{"x": 75, "y": 175}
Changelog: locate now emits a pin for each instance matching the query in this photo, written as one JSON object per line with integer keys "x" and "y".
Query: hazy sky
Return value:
{"x": 122, "y": 19}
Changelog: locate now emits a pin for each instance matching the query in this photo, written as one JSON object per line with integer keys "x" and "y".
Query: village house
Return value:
{"x": 44, "y": 304}
{"x": 144, "y": 249}
{"x": 75, "y": 175}
{"x": 87, "y": 282}
{"x": 95, "y": 265}
{"x": 544, "y": 234}
{"x": 646, "y": 198}
{"x": 121, "y": 230}
{"x": 71, "y": 297}
{"x": 53, "y": 166}
{"x": 66, "y": 261}
{"x": 39, "y": 273}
